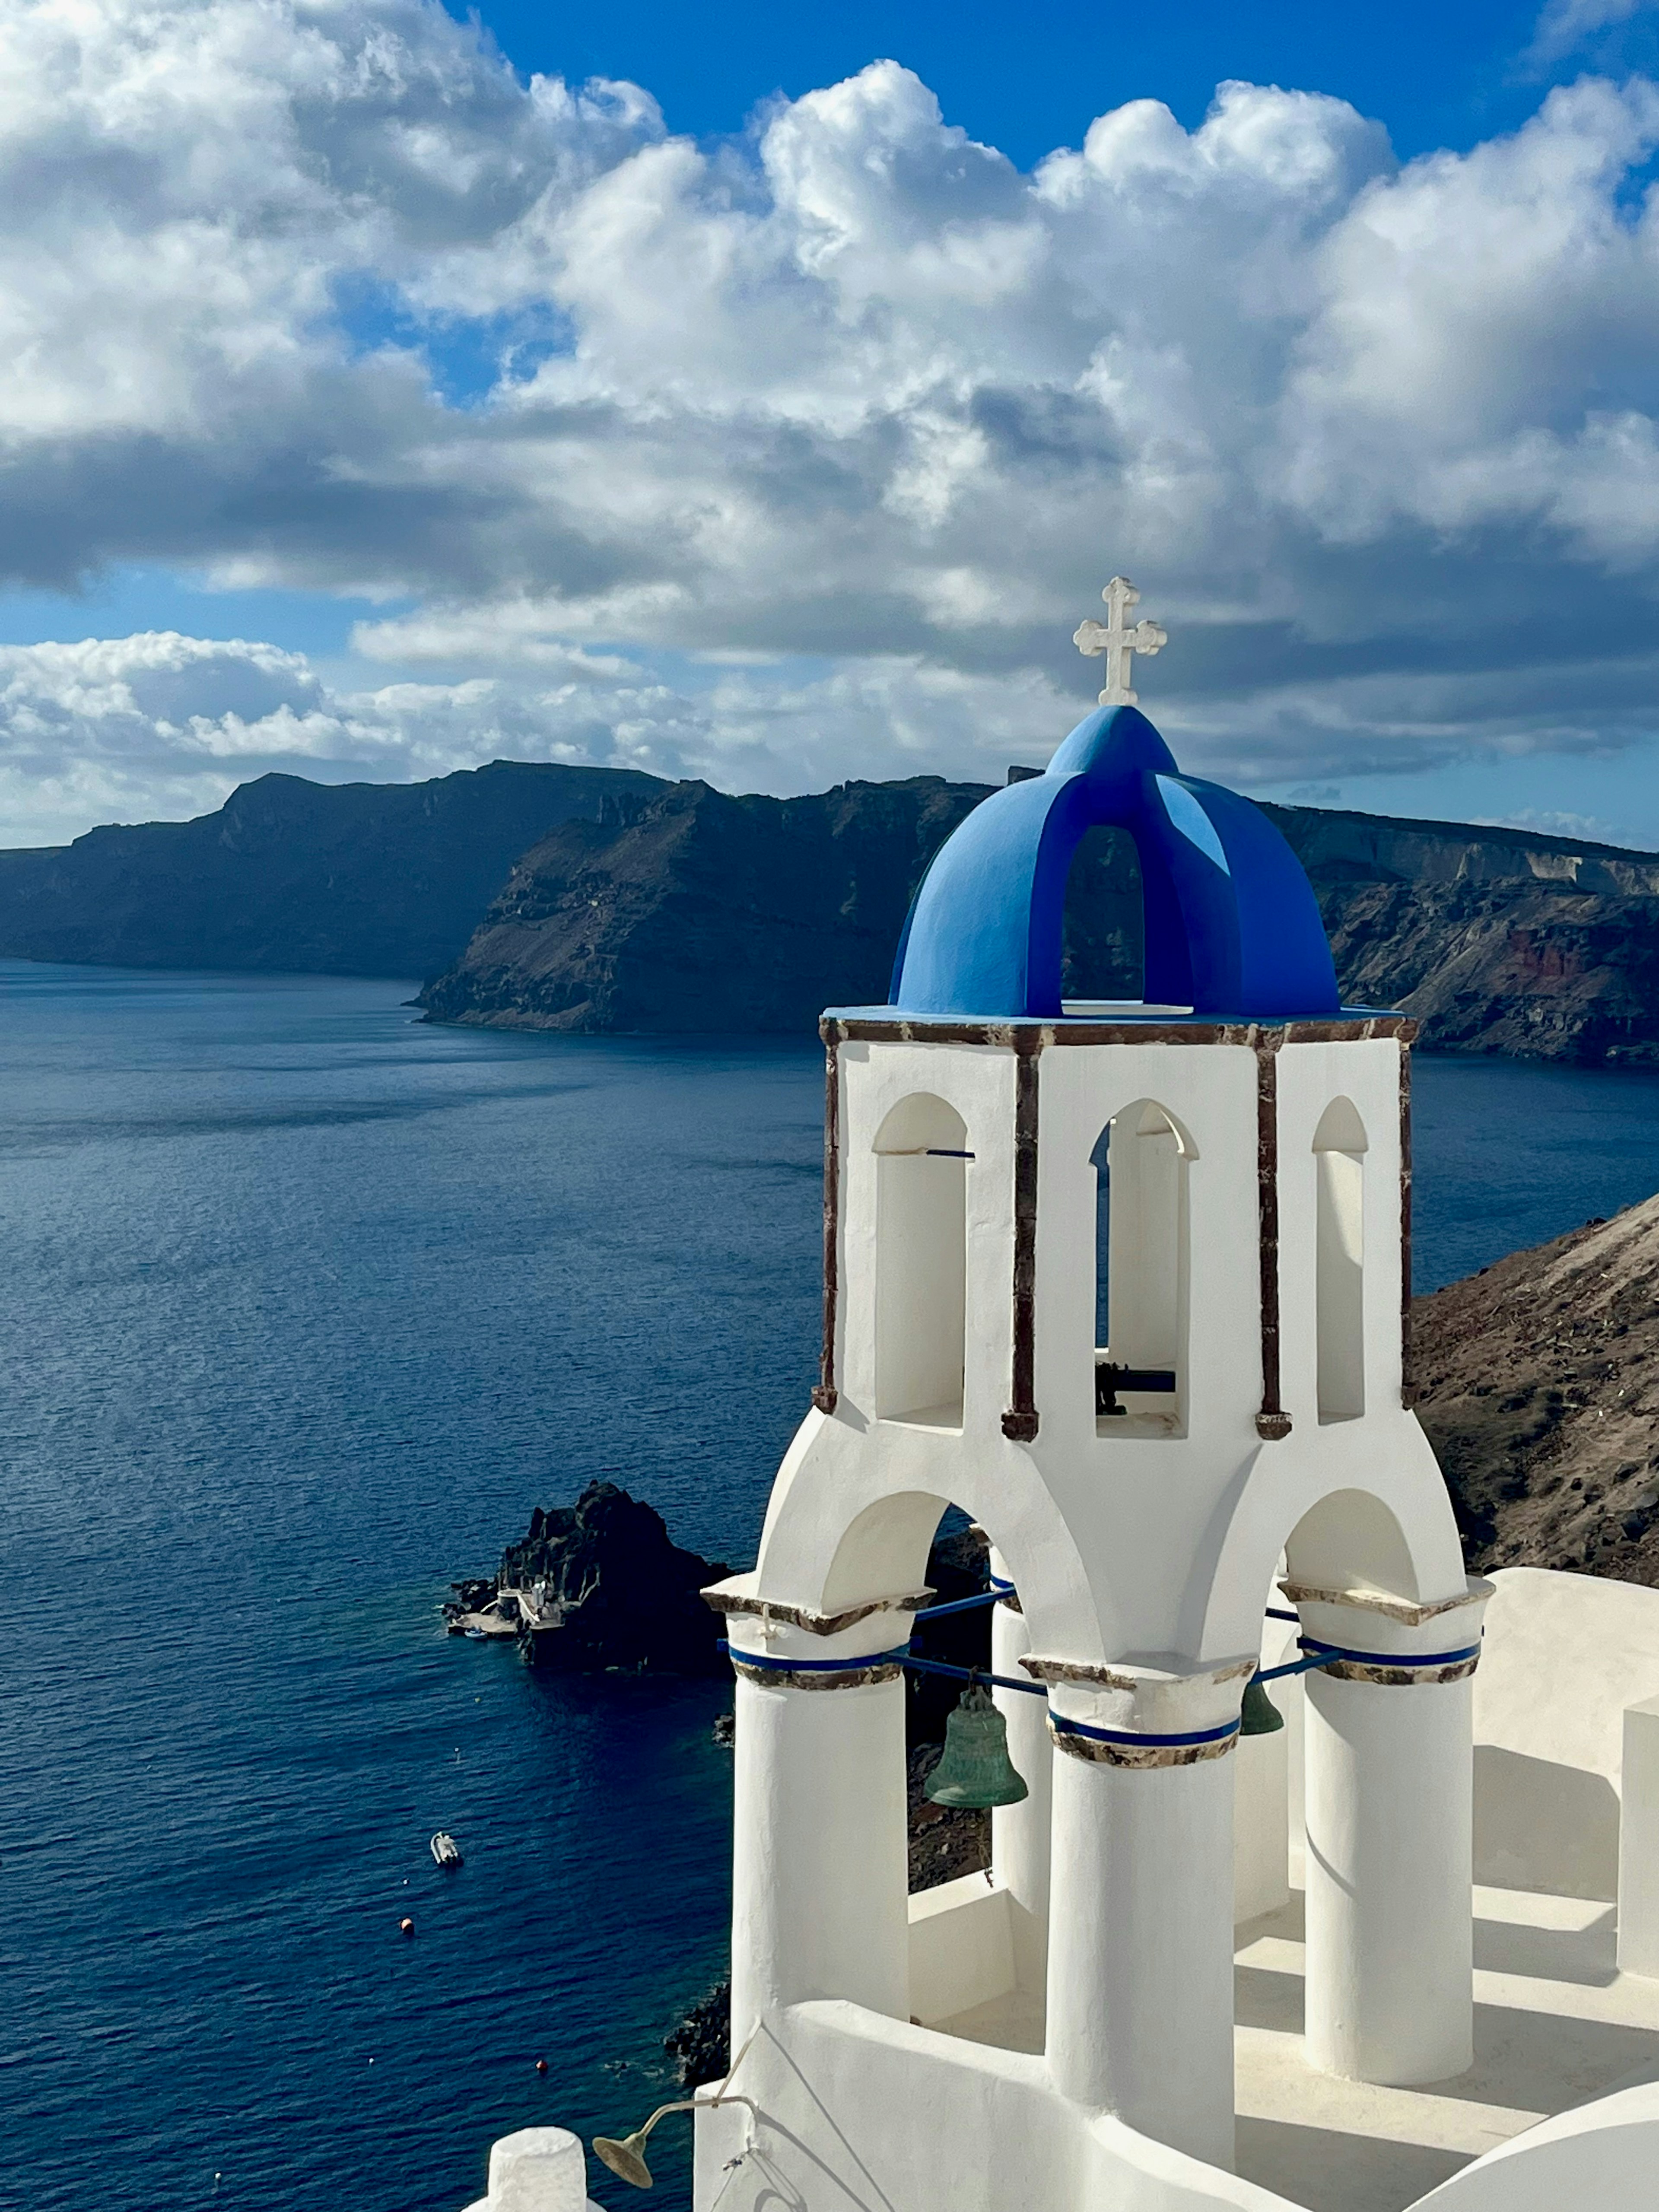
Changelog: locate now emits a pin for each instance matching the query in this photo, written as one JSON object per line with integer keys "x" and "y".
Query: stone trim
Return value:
{"x": 1019, "y": 1422}
{"x": 854, "y": 1678}
{"x": 1096, "y": 1754}
{"x": 915, "y": 1029}
{"x": 1273, "y": 1423}
{"x": 1398, "y": 1678}
{"x": 725, "y": 1600}
{"x": 1407, "y": 1373}
{"x": 1042, "y": 1668}
{"x": 826, "y": 1394}
{"x": 1410, "y": 1612}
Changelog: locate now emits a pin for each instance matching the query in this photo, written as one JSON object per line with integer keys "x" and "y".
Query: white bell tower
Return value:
{"x": 1129, "y": 1285}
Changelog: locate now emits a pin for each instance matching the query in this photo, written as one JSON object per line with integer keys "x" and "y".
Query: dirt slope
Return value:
{"x": 1538, "y": 1384}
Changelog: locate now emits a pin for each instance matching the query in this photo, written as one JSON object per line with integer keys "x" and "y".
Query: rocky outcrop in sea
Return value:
{"x": 621, "y": 1594}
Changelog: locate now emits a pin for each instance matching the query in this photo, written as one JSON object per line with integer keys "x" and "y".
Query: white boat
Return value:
{"x": 446, "y": 1850}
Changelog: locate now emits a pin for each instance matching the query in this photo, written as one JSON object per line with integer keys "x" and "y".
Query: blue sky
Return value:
{"x": 379, "y": 395}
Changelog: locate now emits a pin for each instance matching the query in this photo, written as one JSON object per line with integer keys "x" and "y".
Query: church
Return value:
{"x": 1322, "y": 1873}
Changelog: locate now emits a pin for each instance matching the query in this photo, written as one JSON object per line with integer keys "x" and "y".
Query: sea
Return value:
{"x": 304, "y": 1305}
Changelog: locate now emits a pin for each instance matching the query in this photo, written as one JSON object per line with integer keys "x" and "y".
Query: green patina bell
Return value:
{"x": 1258, "y": 1715}
{"x": 974, "y": 1768}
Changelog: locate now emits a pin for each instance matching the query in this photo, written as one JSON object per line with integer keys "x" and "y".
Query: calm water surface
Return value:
{"x": 305, "y": 1305}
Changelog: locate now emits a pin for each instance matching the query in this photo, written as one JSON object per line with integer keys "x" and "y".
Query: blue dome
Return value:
{"x": 1231, "y": 925}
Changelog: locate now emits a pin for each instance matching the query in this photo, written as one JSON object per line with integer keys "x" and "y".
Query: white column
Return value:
{"x": 819, "y": 1877}
{"x": 1638, "y": 1841}
{"x": 1390, "y": 1811}
{"x": 1020, "y": 1833}
{"x": 1140, "y": 1946}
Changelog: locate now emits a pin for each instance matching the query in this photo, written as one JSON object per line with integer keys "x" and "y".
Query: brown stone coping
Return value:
{"x": 1398, "y": 1678}
{"x": 915, "y": 1029}
{"x": 1411, "y": 1612}
{"x": 1134, "y": 1755}
{"x": 1125, "y": 1676}
{"x": 853, "y": 1678}
{"x": 801, "y": 1616}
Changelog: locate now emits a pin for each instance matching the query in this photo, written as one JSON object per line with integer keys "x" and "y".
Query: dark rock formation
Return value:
{"x": 341, "y": 879}
{"x": 700, "y": 2047}
{"x": 1538, "y": 1385}
{"x": 629, "y": 1596}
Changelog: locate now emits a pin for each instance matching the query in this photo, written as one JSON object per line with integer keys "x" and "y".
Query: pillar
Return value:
{"x": 1389, "y": 1812}
{"x": 1020, "y": 1833}
{"x": 819, "y": 1855}
{"x": 1638, "y": 1841}
{"x": 1140, "y": 1949}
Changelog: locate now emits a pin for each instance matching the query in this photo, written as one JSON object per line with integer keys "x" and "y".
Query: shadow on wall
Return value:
{"x": 1541, "y": 1826}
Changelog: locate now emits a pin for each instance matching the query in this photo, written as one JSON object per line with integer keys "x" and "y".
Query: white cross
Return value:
{"x": 1118, "y": 641}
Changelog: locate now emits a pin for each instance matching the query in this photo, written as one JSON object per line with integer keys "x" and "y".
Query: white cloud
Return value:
{"x": 804, "y": 457}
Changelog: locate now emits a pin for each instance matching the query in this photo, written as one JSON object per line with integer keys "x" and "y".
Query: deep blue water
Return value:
{"x": 304, "y": 1305}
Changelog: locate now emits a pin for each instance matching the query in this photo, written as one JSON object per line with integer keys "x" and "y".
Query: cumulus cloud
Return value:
{"x": 802, "y": 457}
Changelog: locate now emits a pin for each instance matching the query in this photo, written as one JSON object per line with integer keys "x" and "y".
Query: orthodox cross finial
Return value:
{"x": 1119, "y": 640}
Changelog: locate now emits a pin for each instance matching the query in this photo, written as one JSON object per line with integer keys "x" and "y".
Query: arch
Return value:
{"x": 1231, "y": 923}
{"x": 1340, "y": 1145}
{"x": 1141, "y": 1250}
{"x": 1351, "y": 1540}
{"x": 921, "y": 1261}
{"x": 1389, "y": 1526}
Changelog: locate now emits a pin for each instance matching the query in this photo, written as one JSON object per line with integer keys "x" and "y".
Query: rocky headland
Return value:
{"x": 306, "y": 879}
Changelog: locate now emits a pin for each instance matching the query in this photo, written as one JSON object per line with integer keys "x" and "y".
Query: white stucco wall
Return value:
{"x": 1128, "y": 1538}
{"x": 1564, "y": 1655}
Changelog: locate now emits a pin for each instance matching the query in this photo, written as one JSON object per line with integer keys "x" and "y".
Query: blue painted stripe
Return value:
{"x": 1389, "y": 1658}
{"x": 1136, "y": 1736}
{"x": 771, "y": 1664}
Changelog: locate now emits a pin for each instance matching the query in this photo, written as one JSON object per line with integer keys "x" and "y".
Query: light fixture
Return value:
{"x": 625, "y": 2155}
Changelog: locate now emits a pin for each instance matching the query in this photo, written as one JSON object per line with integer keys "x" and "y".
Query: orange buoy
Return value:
{"x": 541, "y": 2066}
{"x": 406, "y": 1926}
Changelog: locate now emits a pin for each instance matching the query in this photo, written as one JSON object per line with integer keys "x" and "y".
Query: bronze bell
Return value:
{"x": 1258, "y": 1715}
{"x": 974, "y": 1769}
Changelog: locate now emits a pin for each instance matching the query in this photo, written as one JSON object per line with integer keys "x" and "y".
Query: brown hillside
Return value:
{"x": 1538, "y": 1384}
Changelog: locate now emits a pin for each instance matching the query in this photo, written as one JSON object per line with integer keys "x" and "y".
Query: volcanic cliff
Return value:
{"x": 704, "y": 912}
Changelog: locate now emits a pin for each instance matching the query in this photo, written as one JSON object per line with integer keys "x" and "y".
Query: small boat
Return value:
{"x": 446, "y": 1850}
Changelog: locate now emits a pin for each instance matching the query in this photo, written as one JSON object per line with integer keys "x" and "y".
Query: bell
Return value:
{"x": 974, "y": 1769}
{"x": 1258, "y": 1715}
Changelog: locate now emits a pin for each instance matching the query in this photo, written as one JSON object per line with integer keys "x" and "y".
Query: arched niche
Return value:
{"x": 921, "y": 1262}
{"x": 1339, "y": 1147}
{"x": 1350, "y": 1541}
{"x": 1141, "y": 1240}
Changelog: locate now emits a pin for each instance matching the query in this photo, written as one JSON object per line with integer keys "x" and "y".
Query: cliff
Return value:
{"x": 342, "y": 880}
{"x": 1538, "y": 1385}
{"x": 546, "y": 898}
{"x": 704, "y": 912}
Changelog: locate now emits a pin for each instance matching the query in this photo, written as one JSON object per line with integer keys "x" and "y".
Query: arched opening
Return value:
{"x": 921, "y": 1262}
{"x": 1102, "y": 961}
{"x": 1139, "y": 1161}
{"x": 977, "y": 1877}
{"x": 1339, "y": 1289}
